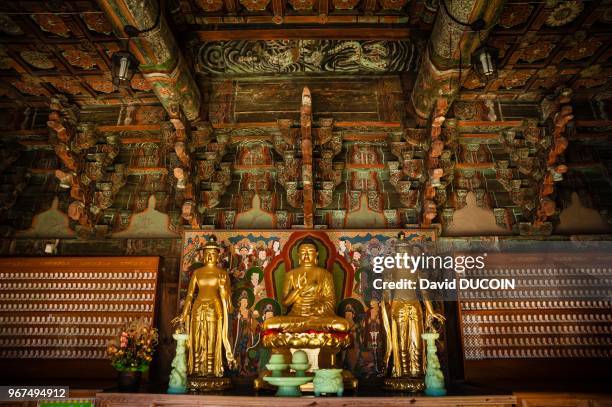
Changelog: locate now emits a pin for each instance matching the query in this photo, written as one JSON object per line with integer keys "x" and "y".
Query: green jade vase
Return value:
{"x": 434, "y": 378}
{"x": 178, "y": 376}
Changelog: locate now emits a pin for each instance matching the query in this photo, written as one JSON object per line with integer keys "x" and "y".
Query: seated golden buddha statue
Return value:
{"x": 311, "y": 322}
{"x": 308, "y": 293}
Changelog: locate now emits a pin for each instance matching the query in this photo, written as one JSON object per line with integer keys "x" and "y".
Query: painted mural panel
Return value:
{"x": 257, "y": 261}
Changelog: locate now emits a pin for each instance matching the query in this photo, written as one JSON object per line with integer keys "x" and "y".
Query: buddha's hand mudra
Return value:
{"x": 434, "y": 316}
{"x": 231, "y": 362}
{"x": 310, "y": 289}
{"x": 180, "y": 322}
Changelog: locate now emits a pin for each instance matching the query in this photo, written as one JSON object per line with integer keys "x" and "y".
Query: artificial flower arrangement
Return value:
{"x": 133, "y": 351}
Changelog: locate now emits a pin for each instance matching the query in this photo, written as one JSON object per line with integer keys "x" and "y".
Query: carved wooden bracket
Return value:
{"x": 306, "y": 147}
{"x": 438, "y": 165}
{"x": 87, "y": 159}
{"x": 561, "y": 114}
{"x": 296, "y": 145}
{"x": 202, "y": 177}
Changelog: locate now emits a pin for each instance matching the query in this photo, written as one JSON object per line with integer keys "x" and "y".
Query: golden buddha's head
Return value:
{"x": 307, "y": 253}
{"x": 210, "y": 255}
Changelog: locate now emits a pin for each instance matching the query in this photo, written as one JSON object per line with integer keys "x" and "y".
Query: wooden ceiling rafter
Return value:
{"x": 438, "y": 75}
{"x": 399, "y": 33}
{"x": 162, "y": 64}
{"x": 198, "y": 14}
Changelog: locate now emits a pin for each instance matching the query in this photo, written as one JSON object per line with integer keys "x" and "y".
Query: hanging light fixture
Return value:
{"x": 123, "y": 63}
{"x": 484, "y": 59}
{"x": 484, "y": 62}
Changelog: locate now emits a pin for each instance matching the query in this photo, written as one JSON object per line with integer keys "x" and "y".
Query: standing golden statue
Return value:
{"x": 404, "y": 323}
{"x": 205, "y": 320}
{"x": 311, "y": 322}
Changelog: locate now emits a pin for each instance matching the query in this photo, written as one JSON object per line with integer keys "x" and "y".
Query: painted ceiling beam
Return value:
{"x": 438, "y": 79}
{"x": 157, "y": 51}
{"x": 399, "y": 33}
{"x": 307, "y": 172}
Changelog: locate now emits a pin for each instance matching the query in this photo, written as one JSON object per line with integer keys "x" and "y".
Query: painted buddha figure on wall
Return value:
{"x": 205, "y": 319}
{"x": 309, "y": 295}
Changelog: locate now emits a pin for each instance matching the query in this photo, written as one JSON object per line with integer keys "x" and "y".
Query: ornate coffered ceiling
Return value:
{"x": 545, "y": 45}
{"x": 60, "y": 47}
{"x": 205, "y": 13}
{"x": 272, "y": 114}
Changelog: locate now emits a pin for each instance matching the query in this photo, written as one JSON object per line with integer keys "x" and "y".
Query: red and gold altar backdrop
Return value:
{"x": 257, "y": 261}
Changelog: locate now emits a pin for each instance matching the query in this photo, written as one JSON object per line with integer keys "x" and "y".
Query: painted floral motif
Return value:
{"x": 8, "y": 26}
{"x": 149, "y": 115}
{"x": 501, "y": 44}
{"x": 565, "y": 13}
{"x": 591, "y": 77}
{"x": 210, "y": 5}
{"x": 100, "y": 84}
{"x": 97, "y": 22}
{"x": 345, "y": 4}
{"x": 393, "y": 4}
{"x": 515, "y": 14}
{"x": 300, "y": 5}
{"x": 29, "y": 86}
{"x": 533, "y": 52}
{"x": 140, "y": 83}
{"x": 515, "y": 78}
{"x": 37, "y": 59}
{"x": 473, "y": 82}
{"x": 5, "y": 61}
{"x": 52, "y": 23}
{"x": 66, "y": 84}
{"x": 255, "y": 5}
{"x": 548, "y": 77}
{"x": 583, "y": 49}
{"x": 79, "y": 59}
{"x": 465, "y": 110}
